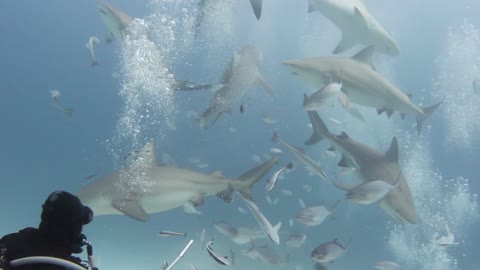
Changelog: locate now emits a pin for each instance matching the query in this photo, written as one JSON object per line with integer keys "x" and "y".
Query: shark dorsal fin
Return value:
{"x": 145, "y": 157}
{"x": 344, "y": 135}
{"x": 365, "y": 56}
{"x": 392, "y": 152}
{"x": 343, "y": 162}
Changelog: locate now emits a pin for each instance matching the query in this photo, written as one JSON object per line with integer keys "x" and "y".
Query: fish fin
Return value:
{"x": 392, "y": 152}
{"x": 198, "y": 200}
{"x": 320, "y": 130}
{"x": 346, "y": 43}
{"x": 380, "y": 111}
{"x": 365, "y": 56}
{"x": 227, "y": 194}
{"x": 427, "y": 111}
{"x": 261, "y": 80}
{"x": 344, "y": 135}
{"x": 249, "y": 178}
{"x": 343, "y": 98}
{"x": 257, "y": 8}
{"x": 145, "y": 157}
{"x": 344, "y": 162}
{"x": 131, "y": 208}
{"x": 218, "y": 174}
{"x": 277, "y": 227}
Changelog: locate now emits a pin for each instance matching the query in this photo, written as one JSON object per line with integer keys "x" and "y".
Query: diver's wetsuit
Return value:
{"x": 32, "y": 242}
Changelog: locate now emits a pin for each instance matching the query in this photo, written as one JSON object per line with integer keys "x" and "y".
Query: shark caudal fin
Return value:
{"x": 427, "y": 111}
{"x": 320, "y": 130}
{"x": 247, "y": 180}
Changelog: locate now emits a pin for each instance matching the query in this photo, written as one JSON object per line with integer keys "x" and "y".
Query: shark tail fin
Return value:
{"x": 257, "y": 8}
{"x": 247, "y": 180}
{"x": 427, "y": 111}
{"x": 320, "y": 130}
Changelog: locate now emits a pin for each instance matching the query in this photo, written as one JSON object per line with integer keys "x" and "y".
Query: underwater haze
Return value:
{"x": 143, "y": 88}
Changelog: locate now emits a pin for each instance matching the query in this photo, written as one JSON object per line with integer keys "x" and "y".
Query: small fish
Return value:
{"x": 202, "y": 165}
{"x": 446, "y": 240}
{"x": 202, "y": 237}
{"x": 296, "y": 240}
{"x": 273, "y": 179}
{"x": 241, "y": 210}
{"x": 315, "y": 215}
{"x": 328, "y": 252}
{"x": 226, "y": 229}
{"x": 386, "y": 265}
{"x": 170, "y": 233}
{"x": 286, "y": 192}
{"x": 301, "y": 203}
{"x": 190, "y": 209}
{"x": 92, "y": 41}
{"x": 91, "y": 176}
{"x": 265, "y": 225}
{"x": 270, "y": 120}
{"x": 275, "y": 201}
{"x": 370, "y": 192}
{"x": 242, "y": 108}
{"x": 323, "y": 97}
{"x": 219, "y": 259}
{"x": 307, "y": 188}
{"x": 55, "y": 94}
{"x": 275, "y": 150}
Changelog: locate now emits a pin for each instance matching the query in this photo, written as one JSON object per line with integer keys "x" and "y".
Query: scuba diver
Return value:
{"x": 59, "y": 235}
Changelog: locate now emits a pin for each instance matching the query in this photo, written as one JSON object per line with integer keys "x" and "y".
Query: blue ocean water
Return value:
{"x": 43, "y": 48}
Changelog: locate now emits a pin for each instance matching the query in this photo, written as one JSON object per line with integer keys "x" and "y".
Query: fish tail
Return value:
{"x": 247, "y": 180}
{"x": 427, "y": 111}
{"x": 320, "y": 130}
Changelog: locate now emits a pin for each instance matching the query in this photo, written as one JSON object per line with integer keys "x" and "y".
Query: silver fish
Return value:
{"x": 170, "y": 233}
{"x": 273, "y": 179}
{"x": 296, "y": 240}
{"x": 267, "y": 228}
{"x": 219, "y": 259}
{"x": 313, "y": 216}
{"x": 328, "y": 252}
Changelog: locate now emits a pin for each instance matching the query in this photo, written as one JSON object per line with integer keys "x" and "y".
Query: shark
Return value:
{"x": 238, "y": 78}
{"x": 160, "y": 188}
{"x": 371, "y": 165}
{"x": 115, "y": 20}
{"x": 361, "y": 83}
{"x": 356, "y": 24}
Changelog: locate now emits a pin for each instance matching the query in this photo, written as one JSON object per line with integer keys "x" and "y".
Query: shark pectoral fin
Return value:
{"x": 389, "y": 113}
{"x": 197, "y": 200}
{"x": 320, "y": 130}
{"x": 343, "y": 98}
{"x": 247, "y": 180}
{"x": 257, "y": 8}
{"x": 427, "y": 111}
{"x": 365, "y": 56}
{"x": 261, "y": 80}
{"x": 346, "y": 43}
{"x": 131, "y": 208}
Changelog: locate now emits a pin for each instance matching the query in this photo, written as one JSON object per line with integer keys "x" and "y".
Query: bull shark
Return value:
{"x": 115, "y": 20}
{"x": 356, "y": 24}
{"x": 361, "y": 84}
{"x": 238, "y": 78}
{"x": 162, "y": 187}
{"x": 371, "y": 165}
